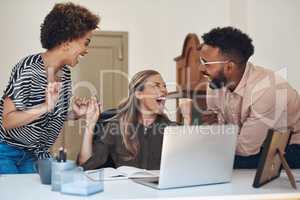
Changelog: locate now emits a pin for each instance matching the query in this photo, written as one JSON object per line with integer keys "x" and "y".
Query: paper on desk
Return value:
{"x": 109, "y": 174}
{"x": 123, "y": 172}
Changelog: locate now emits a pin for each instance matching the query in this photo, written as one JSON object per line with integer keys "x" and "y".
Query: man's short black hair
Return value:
{"x": 232, "y": 43}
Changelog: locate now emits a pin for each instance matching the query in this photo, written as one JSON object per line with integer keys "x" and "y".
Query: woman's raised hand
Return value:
{"x": 92, "y": 113}
{"x": 52, "y": 95}
{"x": 79, "y": 107}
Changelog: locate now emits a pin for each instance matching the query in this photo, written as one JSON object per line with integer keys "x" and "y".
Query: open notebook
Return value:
{"x": 122, "y": 172}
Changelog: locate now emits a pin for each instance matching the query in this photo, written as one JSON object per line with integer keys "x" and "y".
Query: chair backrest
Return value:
{"x": 106, "y": 115}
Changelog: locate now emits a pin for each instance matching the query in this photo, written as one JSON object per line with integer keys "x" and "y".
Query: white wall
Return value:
{"x": 274, "y": 26}
{"x": 157, "y": 29}
{"x": 20, "y": 25}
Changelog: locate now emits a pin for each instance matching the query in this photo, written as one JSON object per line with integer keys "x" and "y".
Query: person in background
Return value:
{"x": 35, "y": 103}
{"x": 252, "y": 97}
{"x": 133, "y": 137}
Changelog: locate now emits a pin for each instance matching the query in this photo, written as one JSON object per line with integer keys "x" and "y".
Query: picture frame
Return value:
{"x": 272, "y": 159}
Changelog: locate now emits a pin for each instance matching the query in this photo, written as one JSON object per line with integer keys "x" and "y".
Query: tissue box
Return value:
{"x": 57, "y": 170}
{"x": 76, "y": 182}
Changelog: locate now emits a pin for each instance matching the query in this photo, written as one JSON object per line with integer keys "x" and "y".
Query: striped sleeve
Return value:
{"x": 18, "y": 89}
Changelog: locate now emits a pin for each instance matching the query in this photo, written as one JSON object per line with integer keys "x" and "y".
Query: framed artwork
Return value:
{"x": 272, "y": 159}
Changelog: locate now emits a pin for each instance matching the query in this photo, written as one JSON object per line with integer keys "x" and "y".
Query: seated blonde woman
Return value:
{"x": 134, "y": 136}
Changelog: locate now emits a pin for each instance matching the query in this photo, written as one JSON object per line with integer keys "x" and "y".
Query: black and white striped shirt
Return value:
{"x": 26, "y": 88}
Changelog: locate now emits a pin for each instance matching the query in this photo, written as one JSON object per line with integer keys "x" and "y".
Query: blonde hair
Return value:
{"x": 129, "y": 111}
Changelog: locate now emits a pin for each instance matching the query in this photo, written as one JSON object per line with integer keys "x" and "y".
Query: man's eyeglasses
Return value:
{"x": 203, "y": 62}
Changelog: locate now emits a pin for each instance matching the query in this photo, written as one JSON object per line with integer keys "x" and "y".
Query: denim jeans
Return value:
{"x": 15, "y": 161}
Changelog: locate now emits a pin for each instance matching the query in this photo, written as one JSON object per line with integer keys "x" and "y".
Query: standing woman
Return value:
{"x": 35, "y": 103}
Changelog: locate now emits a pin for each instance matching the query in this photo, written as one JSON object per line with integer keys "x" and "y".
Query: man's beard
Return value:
{"x": 218, "y": 82}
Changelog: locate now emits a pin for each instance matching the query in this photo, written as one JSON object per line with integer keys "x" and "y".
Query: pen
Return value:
{"x": 60, "y": 154}
{"x": 64, "y": 158}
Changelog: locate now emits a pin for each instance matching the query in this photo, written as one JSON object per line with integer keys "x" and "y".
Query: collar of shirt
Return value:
{"x": 242, "y": 84}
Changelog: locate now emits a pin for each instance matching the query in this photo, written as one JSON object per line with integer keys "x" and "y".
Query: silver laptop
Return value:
{"x": 195, "y": 155}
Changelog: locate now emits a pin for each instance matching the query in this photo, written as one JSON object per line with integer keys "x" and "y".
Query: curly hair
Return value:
{"x": 231, "y": 42}
{"x": 66, "y": 22}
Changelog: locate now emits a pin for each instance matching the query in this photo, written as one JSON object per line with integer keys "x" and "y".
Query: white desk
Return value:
{"x": 28, "y": 187}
